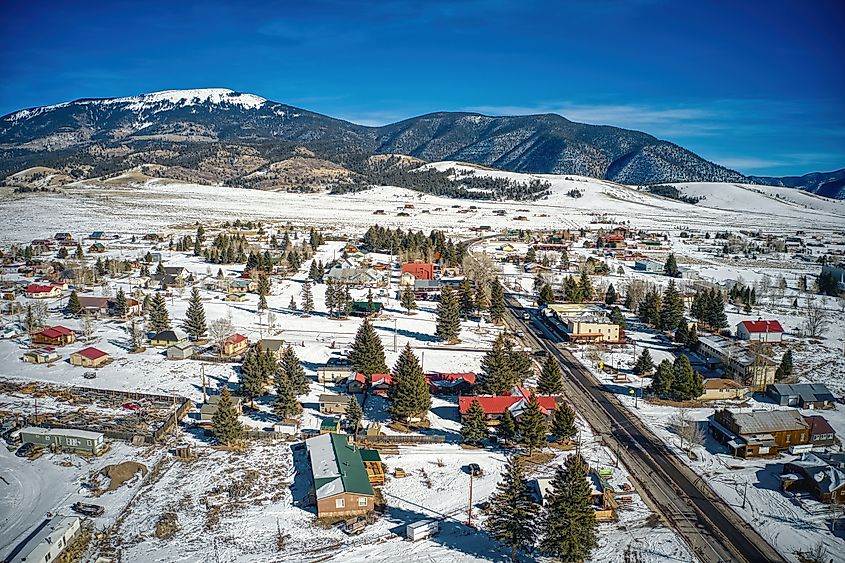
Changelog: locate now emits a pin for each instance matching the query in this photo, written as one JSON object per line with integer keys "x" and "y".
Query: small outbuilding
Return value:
{"x": 180, "y": 351}
{"x": 89, "y": 358}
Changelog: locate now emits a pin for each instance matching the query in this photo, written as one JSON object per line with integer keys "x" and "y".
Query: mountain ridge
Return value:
{"x": 537, "y": 143}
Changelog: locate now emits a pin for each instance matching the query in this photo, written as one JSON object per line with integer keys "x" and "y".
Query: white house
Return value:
{"x": 50, "y": 541}
{"x": 760, "y": 331}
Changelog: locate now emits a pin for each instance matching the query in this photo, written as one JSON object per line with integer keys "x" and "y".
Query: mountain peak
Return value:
{"x": 191, "y": 97}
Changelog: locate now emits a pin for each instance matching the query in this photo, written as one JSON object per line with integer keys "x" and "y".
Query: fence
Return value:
{"x": 401, "y": 439}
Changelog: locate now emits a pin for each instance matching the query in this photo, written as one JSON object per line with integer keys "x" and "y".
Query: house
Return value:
{"x": 334, "y": 404}
{"x": 380, "y": 384}
{"x": 717, "y": 389}
{"x": 819, "y": 475}
{"x": 359, "y": 277}
{"x": 612, "y": 241}
{"x": 752, "y": 367}
{"x": 356, "y": 383}
{"x": 821, "y": 432}
{"x": 241, "y": 285}
{"x": 97, "y": 247}
{"x": 41, "y": 356}
{"x": 419, "y": 269}
{"x": 424, "y": 288}
{"x": 584, "y": 322}
{"x": 801, "y": 395}
{"x": 237, "y": 297}
{"x": 39, "y": 291}
{"x": 330, "y": 425}
{"x": 209, "y": 408}
{"x": 63, "y": 236}
{"x": 49, "y": 541}
{"x": 97, "y": 235}
{"x": 333, "y": 374}
{"x": 760, "y": 331}
{"x": 97, "y": 306}
{"x": 54, "y": 336}
{"x": 341, "y": 484}
{"x": 602, "y": 495}
{"x": 274, "y": 345}
{"x": 759, "y": 433}
{"x": 180, "y": 351}
{"x": 81, "y": 441}
{"x": 652, "y": 266}
{"x": 89, "y": 358}
{"x": 235, "y": 345}
{"x": 515, "y": 402}
{"x": 374, "y": 466}
{"x": 169, "y": 337}
{"x": 451, "y": 383}
{"x": 365, "y": 309}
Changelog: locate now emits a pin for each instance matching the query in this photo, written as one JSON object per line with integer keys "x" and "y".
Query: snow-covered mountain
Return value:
{"x": 165, "y": 122}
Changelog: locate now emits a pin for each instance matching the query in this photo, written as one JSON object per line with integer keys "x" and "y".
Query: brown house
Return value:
{"x": 759, "y": 433}
{"x": 89, "y": 358}
{"x": 54, "y": 336}
{"x": 819, "y": 474}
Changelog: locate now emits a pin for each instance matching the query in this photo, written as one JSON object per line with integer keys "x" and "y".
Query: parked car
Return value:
{"x": 526, "y": 316}
{"x": 90, "y": 375}
{"x": 92, "y": 510}
{"x": 131, "y": 406}
{"x": 25, "y": 450}
{"x": 474, "y": 469}
{"x": 541, "y": 353}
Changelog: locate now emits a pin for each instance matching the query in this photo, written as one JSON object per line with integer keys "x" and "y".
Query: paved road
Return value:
{"x": 712, "y": 529}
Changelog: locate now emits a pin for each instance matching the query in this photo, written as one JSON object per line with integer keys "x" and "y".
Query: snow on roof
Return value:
{"x": 336, "y": 466}
{"x": 762, "y": 326}
{"x": 762, "y": 422}
{"x": 827, "y": 478}
{"x": 42, "y": 542}
{"x": 84, "y": 434}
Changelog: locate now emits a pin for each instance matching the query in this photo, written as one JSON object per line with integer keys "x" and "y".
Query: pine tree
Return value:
{"x": 448, "y": 325}
{"x": 497, "y": 302}
{"x": 147, "y": 304}
{"x": 585, "y": 286}
{"x": 482, "y": 300}
{"x": 616, "y": 317}
{"x": 73, "y": 304}
{"x": 407, "y": 299}
{"x": 313, "y": 272}
{"x": 224, "y": 423}
{"x": 286, "y": 406}
{"x": 569, "y": 525}
{"x": 409, "y": 395}
{"x": 253, "y": 377}
{"x": 195, "y": 324}
{"x": 692, "y": 339}
{"x": 474, "y": 425}
{"x": 686, "y": 384}
{"x": 563, "y": 422}
{"x": 672, "y": 308}
{"x": 682, "y": 332}
{"x": 532, "y": 425}
{"x": 159, "y": 317}
{"x": 522, "y": 367}
{"x": 670, "y": 268}
{"x": 307, "y": 298}
{"x": 784, "y": 371}
{"x": 610, "y": 296}
{"x": 663, "y": 379}
{"x": 497, "y": 375}
{"x": 466, "y": 298}
{"x": 531, "y": 255}
{"x": 506, "y": 430}
{"x": 546, "y": 296}
{"x": 294, "y": 372}
{"x": 644, "y": 363}
{"x": 354, "y": 414}
{"x": 512, "y": 510}
{"x": 649, "y": 308}
{"x": 367, "y": 355}
{"x": 120, "y": 306}
{"x": 551, "y": 378}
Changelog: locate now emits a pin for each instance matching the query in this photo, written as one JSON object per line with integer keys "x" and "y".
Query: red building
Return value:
{"x": 419, "y": 269}
{"x": 54, "y": 336}
{"x": 516, "y": 402}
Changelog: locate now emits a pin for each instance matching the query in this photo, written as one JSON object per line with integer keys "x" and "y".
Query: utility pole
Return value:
{"x": 744, "y": 493}
{"x": 469, "y": 514}
{"x": 204, "y": 398}
{"x": 394, "y": 335}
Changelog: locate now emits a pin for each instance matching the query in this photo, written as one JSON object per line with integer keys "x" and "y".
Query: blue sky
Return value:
{"x": 757, "y": 86}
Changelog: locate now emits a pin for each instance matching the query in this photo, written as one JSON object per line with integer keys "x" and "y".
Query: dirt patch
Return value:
{"x": 167, "y": 525}
{"x": 120, "y": 473}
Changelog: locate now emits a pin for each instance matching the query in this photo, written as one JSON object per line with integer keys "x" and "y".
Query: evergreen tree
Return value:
{"x": 610, "y": 296}
{"x": 474, "y": 425}
{"x": 79, "y": 255}
{"x": 692, "y": 339}
{"x": 313, "y": 272}
{"x": 73, "y": 304}
{"x": 572, "y": 290}
{"x": 585, "y": 286}
{"x": 367, "y": 355}
{"x": 354, "y": 414}
{"x": 407, "y": 299}
{"x": 286, "y": 406}
{"x": 670, "y": 268}
{"x": 159, "y": 317}
{"x": 120, "y": 305}
{"x": 307, "y": 298}
{"x": 409, "y": 395}
{"x": 253, "y": 377}
{"x": 688, "y": 383}
{"x": 663, "y": 379}
{"x": 672, "y": 308}
{"x": 682, "y": 332}
{"x": 512, "y": 510}
{"x": 482, "y": 300}
{"x": 784, "y": 371}
{"x": 532, "y": 425}
{"x": 448, "y": 325}
{"x": 497, "y": 375}
{"x": 531, "y": 255}
{"x": 224, "y": 423}
{"x": 466, "y": 298}
{"x": 147, "y": 304}
{"x": 616, "y": 317}
{"x": 522, "y": 367}
{"x": 569, "y": 525}
{"x": 195, "y": 324}
{"x": 563, "y": 422}
{"x": 292, "y": 304}
{"x": 497, "y": 302}
{"x": 716, "y": 316}
{"x": 546, "y": 297}
{"x": 294, "y": 372}
{"x": 551, "y": 378}
{"x": 644, "y": 363}
{"x": 506, "y": 430}
{"x": 649, "y": 308}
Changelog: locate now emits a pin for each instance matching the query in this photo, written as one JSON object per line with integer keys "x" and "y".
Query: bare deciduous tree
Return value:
{"x": 480, "y": 267}
{"x": 689, "y": 431}
{"x": 816, "y": 318}
{"x": 88, "y": 327}
{"x": 219, "y": 330}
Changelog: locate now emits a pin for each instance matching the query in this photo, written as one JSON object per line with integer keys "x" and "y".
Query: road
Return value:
{"x": 711, "y": 528}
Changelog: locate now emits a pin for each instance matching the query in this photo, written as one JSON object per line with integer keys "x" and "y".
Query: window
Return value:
{"x": 87, "y": 442}
{"x": 362, "y": 501}
{"x": 72, "y": 441}
{"x": 788, "y": 438}
{"x": 340, "y": 503}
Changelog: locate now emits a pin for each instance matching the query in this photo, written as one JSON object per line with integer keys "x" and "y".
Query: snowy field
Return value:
{"x": 247, "y": 530}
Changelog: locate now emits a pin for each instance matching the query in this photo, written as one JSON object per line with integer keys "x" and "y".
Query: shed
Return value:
{"x": 180, "y": 351}
{"x": 334, "y": 404}
{"x": 333, "y": 374}
{"x": 89, "y": 358}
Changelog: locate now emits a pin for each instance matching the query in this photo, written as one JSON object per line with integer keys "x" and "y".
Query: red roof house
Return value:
{"x": 235, "y": 344}
{"x": 38, "y": 291}
{"x": 419, "y": 269}
{"x": 450, "y": 383}
{"x": 54, "y": 336}
{"x": 380, "y": 384}
{"x": 89, "y": 357}
{"x": 760, "y": 330}
{"x": 356, "y": 383}
{"x": 516, "y": 402}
